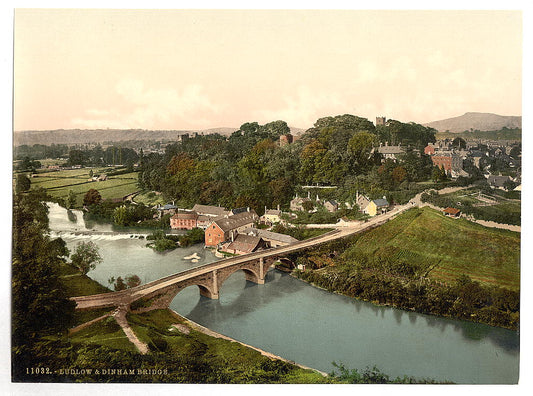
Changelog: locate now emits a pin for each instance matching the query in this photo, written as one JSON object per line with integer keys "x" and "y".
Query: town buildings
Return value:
{"x": 227, "y": 227}
{"x": 184, "y": 221}
{"x": 377, "y": 206}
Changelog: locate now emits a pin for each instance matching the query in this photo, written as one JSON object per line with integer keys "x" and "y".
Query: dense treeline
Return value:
{"x": 40, "y": 306}
{"x": 251, "y": 168}
{"x": 390, "y": 280}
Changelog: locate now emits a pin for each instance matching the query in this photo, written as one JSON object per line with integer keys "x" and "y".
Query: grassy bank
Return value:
{"x": 443, "y": 249}
{"x": 186, "y": 355}
{"x": 428, "y": 263}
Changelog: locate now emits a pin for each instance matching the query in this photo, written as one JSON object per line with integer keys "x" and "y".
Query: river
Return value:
{"x": 292, "y": 319}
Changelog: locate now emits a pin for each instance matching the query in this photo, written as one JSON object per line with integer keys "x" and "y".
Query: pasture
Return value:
{"x": 60, "y": 183}
{"x": 446, "y": 248}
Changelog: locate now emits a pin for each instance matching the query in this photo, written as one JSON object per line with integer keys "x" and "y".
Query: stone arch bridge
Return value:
{"x": 210, "y": 277}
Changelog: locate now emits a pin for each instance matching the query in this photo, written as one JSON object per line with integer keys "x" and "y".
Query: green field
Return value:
{"x": 58, "y": 184}
{"x": 447, "y": 248}
{"x": 505, "y": 210}
{"x": 150, "y": 198}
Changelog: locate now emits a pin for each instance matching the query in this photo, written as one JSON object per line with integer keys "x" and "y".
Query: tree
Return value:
{"x": 120, "y": 216}
{"x": 39, "y": 301}
{"x": 86, "y": 256}
{"x": 23, "y": 183}
{"x": 71, "y": 199}
{"x": 308, "y": 205}
{"x": 77, "y": 157}
{"x": 92, "y": 197}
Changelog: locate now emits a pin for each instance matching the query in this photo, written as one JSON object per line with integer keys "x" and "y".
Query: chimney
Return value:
{"x": 278, "y": 207}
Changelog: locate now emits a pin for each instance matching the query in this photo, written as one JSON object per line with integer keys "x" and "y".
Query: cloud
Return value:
{"x": 304, "y": 107}
{"x": 138, "y": 106}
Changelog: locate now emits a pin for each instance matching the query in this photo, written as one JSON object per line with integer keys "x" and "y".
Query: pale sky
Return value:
{"x": 162, "y": 69}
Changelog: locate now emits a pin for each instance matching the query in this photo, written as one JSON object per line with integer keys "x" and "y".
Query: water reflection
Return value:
{"x": 238, "y": 297}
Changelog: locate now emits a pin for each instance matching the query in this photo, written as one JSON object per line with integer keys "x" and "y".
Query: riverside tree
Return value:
{"x": 86, "y": 256}
{"x": 92, "y": 197}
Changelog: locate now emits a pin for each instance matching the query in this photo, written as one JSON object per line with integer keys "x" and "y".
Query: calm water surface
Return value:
{"x": 313, "y": 327}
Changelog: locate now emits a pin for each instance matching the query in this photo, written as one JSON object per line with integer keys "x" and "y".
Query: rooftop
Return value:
{"x": 235, "y": 221}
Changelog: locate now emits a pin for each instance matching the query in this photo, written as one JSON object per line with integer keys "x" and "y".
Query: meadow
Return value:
{"x": 445, "y": 248}
{"x": 60, "y": 183}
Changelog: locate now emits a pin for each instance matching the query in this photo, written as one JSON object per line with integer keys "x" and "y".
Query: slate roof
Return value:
{"x": 209, "y": 210}
{"x": 238, "y": 210}
{"x": 273, "y": 212}
{"x": 186, "y": 216}
{"x": 244, "y": 243}
{"x": 273, "y": 236}
{"x": 391, "y": 149}
{"x": 231, "y": 222}
{"x": 168, "y": 207}
{"x": 381, "y": 202}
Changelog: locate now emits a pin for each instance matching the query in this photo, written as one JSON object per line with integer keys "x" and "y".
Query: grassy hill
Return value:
{"x": 444, "y": 248}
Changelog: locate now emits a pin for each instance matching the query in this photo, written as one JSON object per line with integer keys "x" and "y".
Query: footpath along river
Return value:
{"x": 299, "y": 322}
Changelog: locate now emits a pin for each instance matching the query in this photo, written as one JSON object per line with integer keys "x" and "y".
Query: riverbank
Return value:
{"x": 214, "y": 334}
{"x": 408, "y": 263}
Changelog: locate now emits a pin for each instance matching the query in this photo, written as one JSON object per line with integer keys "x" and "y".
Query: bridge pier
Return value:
{"x": 213, "y": 293}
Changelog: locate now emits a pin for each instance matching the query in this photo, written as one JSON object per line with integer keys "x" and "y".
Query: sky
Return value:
{"x": 198, "y": 69}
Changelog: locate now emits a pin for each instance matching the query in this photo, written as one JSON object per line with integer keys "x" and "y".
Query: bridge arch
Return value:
{"x": 250, "y": 274}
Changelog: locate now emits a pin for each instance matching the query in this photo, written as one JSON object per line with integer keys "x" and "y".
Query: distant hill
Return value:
{"x": 82, "y": 136}
{"x": 476, "y": 121}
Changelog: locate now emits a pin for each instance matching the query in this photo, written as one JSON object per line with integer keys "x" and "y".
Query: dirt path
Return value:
{"x": 120, "y": 317}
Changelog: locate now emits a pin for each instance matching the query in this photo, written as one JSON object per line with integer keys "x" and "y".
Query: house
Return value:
{"x": 332, "y": 206}
{"x": 226, "y": 227}
{"x": 184, "y": 221}
{"x": 274, "y": 238}
{"x": 429, "y": 149}
{"x": 498, "y": 181}
{"x": 271, "y": 216}
{"x": 361, "y": 201}
{"x": 297, "y": 203}
{"x": 390, "y": 152}
{"x": 244, "y": 244}
{"x": 102, "y": 177}
{"x": 166, "y": 209}
{"x": 377, "y": 206}
{"x": 450, "y": 161}
{"x": 203, "y": 221}
{"x": 451, "y": 212}
{"x": 211, "y": 211}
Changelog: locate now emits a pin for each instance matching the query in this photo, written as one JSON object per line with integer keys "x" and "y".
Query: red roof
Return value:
{"x": 452, "y": 211}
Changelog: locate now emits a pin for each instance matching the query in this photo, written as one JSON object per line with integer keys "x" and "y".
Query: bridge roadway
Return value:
{"x": 126, "y": 297}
